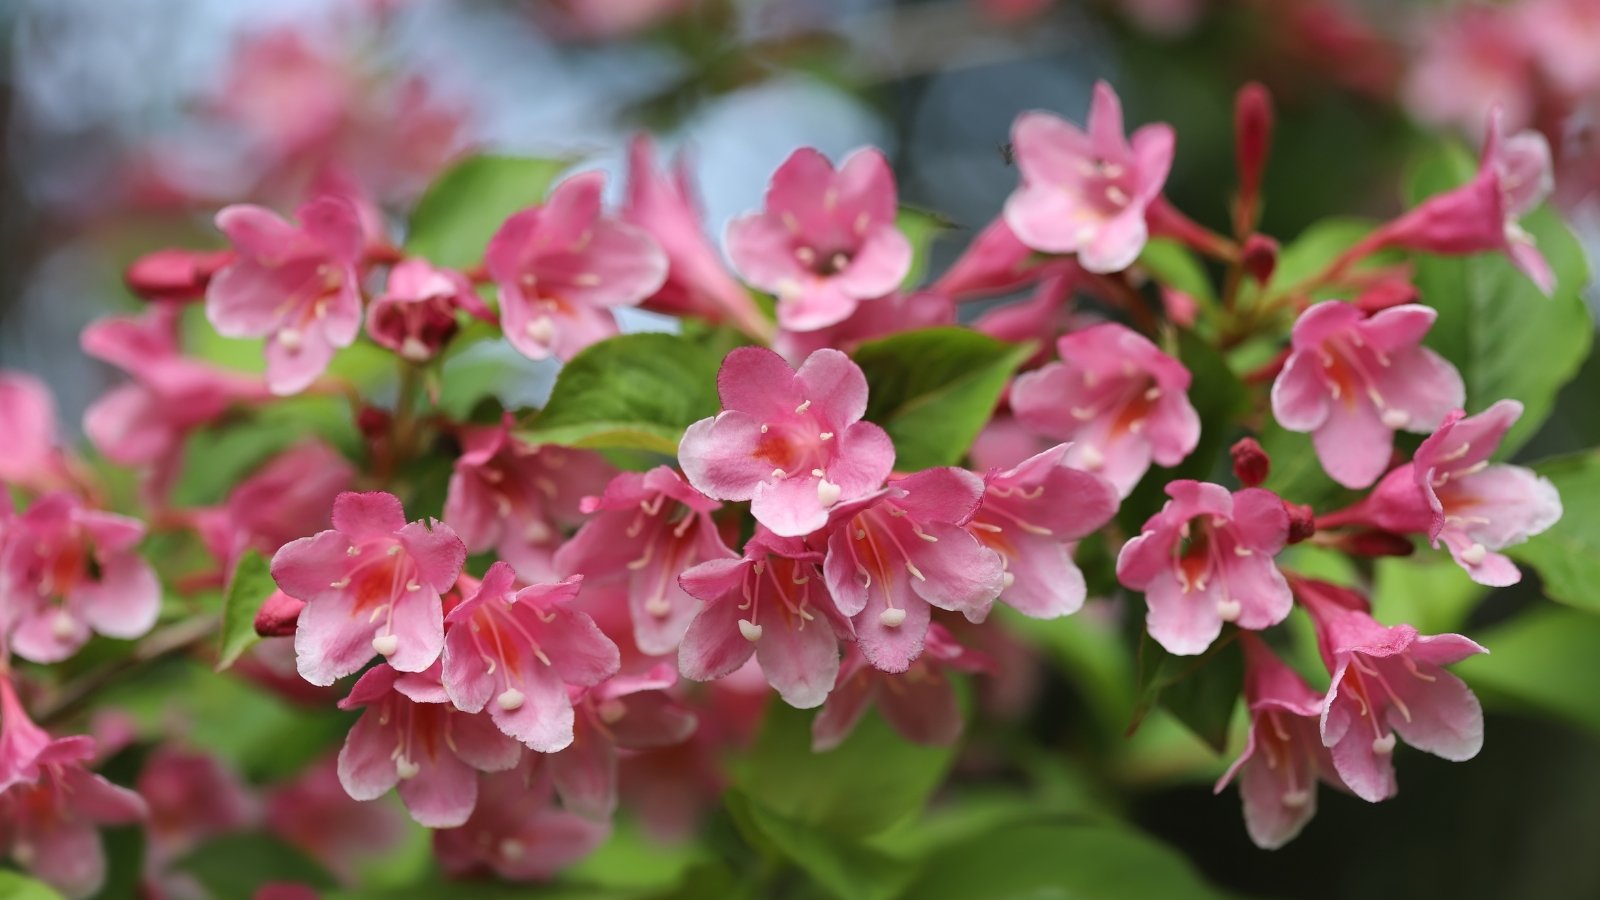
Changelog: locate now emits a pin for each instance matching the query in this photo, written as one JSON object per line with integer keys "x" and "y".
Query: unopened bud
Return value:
{"x": 1259, "y": 257}
{"x": 1386, "y": 293}
{"x": 1251, "y": 464}
{"x": 278, "y": 615}
{"x": 175, "y": 275}
{"x": 1302, "y": 522}
{"x": 1376, "y": 542}
{"x": 1252, "y": 136}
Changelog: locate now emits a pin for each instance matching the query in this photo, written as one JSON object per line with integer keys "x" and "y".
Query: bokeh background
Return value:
{"x": 127, "y": 124}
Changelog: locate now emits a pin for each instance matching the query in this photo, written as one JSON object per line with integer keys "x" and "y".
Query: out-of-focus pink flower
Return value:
{"x": 651, "y": 526}
{"x": 1473, "y": 58}
{"x": 315, "y": 815}
{"x": 49, "y": 823}
{"x": 995, "y": 262}
{"x": 1117, "y": 397}
{"x": 513, "y": 497}
{"x": 1352, "y": 381}
{"x": 23, "y": 744}
{"x": 289, "y": 497}
{"x": 517, "y": 832}
{"x": 697, "y": 282}
{"x": 624, "y": 713}
{"x": 1387, "y": 681}
{"x": 772, "y": 603}
{"x": 826, "y": 240}
{"x": 1283, "y": 756}
{"x": 607, "y": 20}
{"x": 1043, "y": 315}
{"x": 371, "y": 584}
{"x": 1164, "y": 18}
{"x": 882, "y": 317}
{"x": 192, "y": 797}
{"x": 1207, "y": 558}
{"x": 1005, "y": 442}
{"x": 562, "y": 268}
{"x": 29, "y": 456}
{"x": 412, "y": 737}
{"x": 791, "y": 442}
{"x": 1562, "y": 35}
{"x": 175, "y": 275}
{"x": 896, "y": 553}
{"x": 515, "y": 652}
{"x": 919, "y": 703}
{"x": 1031, "y": 515}
{"x": 416, "y": 315}
{"x": 298, "y": 286}
{"x": 65, "y": 570}
{"x": 1087, "y": 193}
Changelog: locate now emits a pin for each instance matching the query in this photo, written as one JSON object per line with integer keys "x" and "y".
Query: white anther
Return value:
{"x": 1395, "y": 418}
{"x": 413, "y": 586}
{"x": 611, "y": 711}
{"x": 806, "y": 255}
{"x": 750, "y": 630}
{"x": 289, "y": 339}
{"x": 779, "y": 474}
{"x": 804, "y": 405}
{"x": 828, "y": 493}
{"x": 339, "y": 585}
{"x": 1384, "y": 744}
{"x": 394, "y": 550}
{"x": 892, "y": 618}
{"x": 406, "y": 769}
{"x": 352, "y": 551}
{"x": 541, "y": 329}
{"x": 1296, "y": 799}
{"x": 510, "y": 699}
{"x": 1007, "y": 579}
{"x": 511, "y": 848}
{"x": 385, "y": 644}
{"x": 826, "y": 436}
{"x": 1229, "y": 610}
{"x": 763, "y": 429}
{"x": 587, "y": 279}
{"x": 658, "y": 607}
{"x": 1091, "y": 457}
{"x": 1474, "y": 554}
{"x": 1241, "y": 550}
{"x": 1153, "y": 394}
{"x": 1116, "y": 195}
{"x": 63, "y": 625}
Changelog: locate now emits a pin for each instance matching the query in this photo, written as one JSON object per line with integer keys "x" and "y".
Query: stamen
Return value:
{"x": 892, "y": 618}
{"x": 750, "y": 630}
{"x": 510, "y": 699}
{"x": 386, "y": 644}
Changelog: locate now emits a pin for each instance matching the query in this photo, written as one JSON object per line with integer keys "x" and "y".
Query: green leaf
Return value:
{"x": 873, "y": 780}
{"x": 1567, "y": 556}
{"x": 1176, "y": 266}
{"x": 1427, "y": 591}
{"x": 1201, "y": 691}
{"x": 632, "y": 392}
{"x": 467, "y": 204}
{"x": 1508, "y": 339}
{"x": 252, "y": 584}
{"x": 1059, "y": 861}
{"x": 1316, "y": 247}
{"x": 848, "y": 868}
{"x": 16, "y": 886}
{"x": 933, "y": 390}
{"x": 1546, "y": 660}
{"x": 235, "y": 865}
{"x": 921, "y": 227}
{"x": 1297, "y": 475}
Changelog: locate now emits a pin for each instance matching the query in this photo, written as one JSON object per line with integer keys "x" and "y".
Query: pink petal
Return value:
{"x": 366, "y": 766}
{"x": 1445, "y": 717}
{"x": 836, "y": 386}
{"x": 1185, "y": 623}
{"x": 544, "y": 720}
{"x": 442, "y": 794}
{"x": 1300, "y": 396}
{"x": 800, "y": 661}
{"x": 1353, "y": 445}
{"x": 585, "y": 774}
{"x": 369, "y": 516}
{"x": 438, "y": 552}
{"x": 125, "y": 602}
{"x": 878, "y": 267}
{"x": 713, "y": 647}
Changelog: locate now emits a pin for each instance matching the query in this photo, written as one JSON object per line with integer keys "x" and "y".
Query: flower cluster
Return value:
{"x": 540, "y": 623}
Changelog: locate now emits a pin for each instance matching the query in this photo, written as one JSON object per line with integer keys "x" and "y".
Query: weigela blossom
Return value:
{"x": 512, "y": 497}
{"x": 516, "y": 831}
{"x": 192, "y": 796}
{"x": 772, "y": 603}
{"x": 1087, "y": 193}
{"x": 315, "y": 815}
{"x": 67, "y": 569}
{"x": 920, "y": 703}
{"x": 1387, "y": 681}
{"x": 1283, "y": 756}
{"x": 1471, "y": 57}
{"x": 371, "y": 585}
{"x": 29, "y": 456}
{"x": 298, "y": 286}
{"x": 516, "y": 651}
{"x": 175, "y": 275}
{"x": 287, "y": 498}
{"x": 897, "y": 553}
{"x": 889, "y": 314}
{"x": 1031, "y": 515}
{"x": 791, "y": 442}
{"x": 826, "y": 239}
{"x": 562, "y": 267}
{"x": 1352, "y": 381}
{"x": 1117, "y": 398}
{"x": 412, "y": 737}
{"x": 651, "y": 526}
{"x": 416, "y": 314}
{"x": 994, "y": 262}
{"x": 1207, "y": 558}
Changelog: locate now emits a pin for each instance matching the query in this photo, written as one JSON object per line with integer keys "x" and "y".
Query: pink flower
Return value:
{"x": 1472, "y": 58}
{"x": 1283, "y": 755}
{"x": 771, "y": 603}
{"x": 1117, "y": 397}
{"x": 563, "y": 266}
{"x": 371, "y": 584}
{"x": 516, "y": 832}
{"x": 648, "y": 527}
{"x": 416, "y": 315}
{"x": 67, "y": 569}
{"x": 919, "y": 703}
{"x": 1205, "y": 559}
{"x": 995, "y": 262}
{"x": 513, "y": 497}
{"x": 315, "y": 815}
{"x": 412, "y": 737}
{"x": 791, "y": 442}
{"x": 1387, "y": 681}
{"x": 1352, "y": 381}
{"x": 1087, "y": 193}
{"x": 29, "y": 456}
{"x": 297, "y": 286}
{"x": 1046, "y": 313}
{"x": 697, "y": 282}
{"x": 1561, "y": 35}
{"x": 890, "y": 314}
{"x": 1514, "y": 176}
{"x": 24, "y": 746}
{"x": 896, "y": 553}
{"x": 826, "y": 240}
{"x": 175, "y": 275}
{"x": 515, "y": 651}
{"x": 192, "y": 797}
{"x": 624, "y": 713}
{"x": 1478, "y": 508}
{"x": 1031, "y": 515}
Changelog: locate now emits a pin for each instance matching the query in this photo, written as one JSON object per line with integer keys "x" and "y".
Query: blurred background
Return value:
{"x": 127, "y": 124}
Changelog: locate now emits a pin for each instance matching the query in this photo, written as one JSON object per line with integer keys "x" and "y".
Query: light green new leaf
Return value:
{"x": 1567, "y": 556}
{"x": 466, "y": 205}
{"x": 15, "y": 886}
{"x": 252, "y": 584}
{"x": 1547, "y": 660}
{"x": 921, "y": 227}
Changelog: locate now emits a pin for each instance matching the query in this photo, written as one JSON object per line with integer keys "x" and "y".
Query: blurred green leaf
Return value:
{"x": 16, "y": 886}
{"x": 1507, "y": 338}
{"x": 632, "y": 392}
{"x": 1427, "y": 590}
{"x": 1201, "y": 691}
{"x": 463, "y": 209}
{"x": 871, "y": 781}
{"x": 921, "y": 227}
{"x": 235, "y": 865}
{"x": 252, "y": 584}
{"x": 1567, "y": 556}
{"x": 1546, "y": 660}
{"x": 1176, "y": 266}
{"x": 846, "y": 867}
{"x": 1297, "y": 475}
{"x": 1316, "y": 247}
{"x": 1059, "y": 861}
{"x": 933, "y": 389}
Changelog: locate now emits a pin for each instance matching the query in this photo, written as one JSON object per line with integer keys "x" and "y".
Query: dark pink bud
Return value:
{"x": 1259, "y": 257}
{"x": 1179, "y": 307}
{"x": 1252, "y": 129}
{"x": 1376, "y": 542}
{"x": 279, "y": 615}
{"x": 174, "y": 274}
{"x": 1302, "y": 522}
{"x": 373, "y": 422}
{"x": 1386, "y": 293}
{"x": 1250, "y": 463}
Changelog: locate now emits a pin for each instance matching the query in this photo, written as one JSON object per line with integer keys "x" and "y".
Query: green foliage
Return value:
{"x": 1427, "y": 590}
{"x": 15, "y": 886}
{"x": 1297, "y": 475}
{"x": 933, "y": 390}
{"x": 632, "y": 392}
{"x": 1567, "y": 556}
{"x": 1176, "y": 266}
{"x": 847, "y": 868}
{"x": 466, "y": 205}
{"x": 1316, "y": 247}
{"x": 235, "y": 865}
{"x": 1508, "y": 339}
{"x": 1543, "y": 661}
{"x": 1201, "y": 691}
{"x": 252, "y": 584}
{"x": 921, "y": 227}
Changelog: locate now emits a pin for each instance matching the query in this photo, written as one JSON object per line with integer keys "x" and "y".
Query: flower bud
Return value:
{"x": 174, "y": 274}
{"x": 1376, "y": 542}
{"x": 279, "y": 615}
{"x": 1252, "y": 130}
{"x": 1386, "y": 293}
{"x": 1302, "y": 522}
{"x": 1259, "y": 257}
{"x": 1250, "y": 463}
